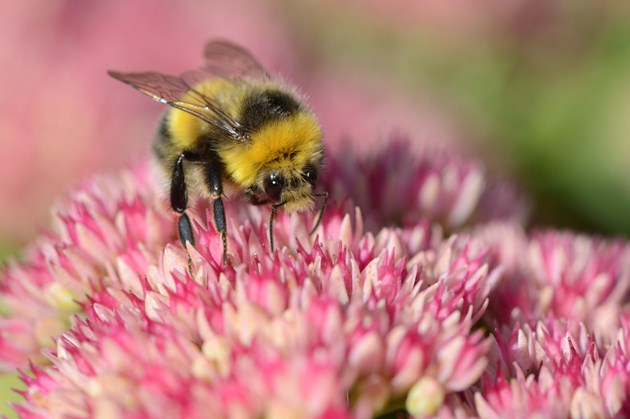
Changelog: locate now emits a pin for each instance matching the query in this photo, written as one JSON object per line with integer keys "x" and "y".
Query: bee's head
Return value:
{"x": 293, "y": 187}
{"x": 279, "y": 163}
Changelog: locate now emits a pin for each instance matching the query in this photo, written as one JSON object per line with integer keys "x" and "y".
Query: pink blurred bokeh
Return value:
{"x": 62, "y": 117}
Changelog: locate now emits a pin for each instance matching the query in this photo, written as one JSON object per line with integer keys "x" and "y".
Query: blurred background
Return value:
{"x": 537, "y": 90}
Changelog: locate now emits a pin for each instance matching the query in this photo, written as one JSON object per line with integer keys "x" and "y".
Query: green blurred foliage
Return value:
{"x": 6, "y": 251}
{"x": 543, "y": 93}
{"x": 9, "y": 382}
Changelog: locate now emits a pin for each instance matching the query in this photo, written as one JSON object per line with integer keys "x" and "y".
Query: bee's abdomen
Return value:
{"x": 269, "y": 105}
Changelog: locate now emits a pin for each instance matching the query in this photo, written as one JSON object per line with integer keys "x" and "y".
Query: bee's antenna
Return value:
{"x": 274, "y": 207}
{"x": 323, "y": 195}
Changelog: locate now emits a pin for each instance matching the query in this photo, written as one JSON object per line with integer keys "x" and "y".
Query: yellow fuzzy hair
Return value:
{"x": 186, "y": 128}
{"x": 298, "y": 136}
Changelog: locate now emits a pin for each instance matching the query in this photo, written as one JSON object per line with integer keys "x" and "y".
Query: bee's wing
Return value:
{"x": 228, "y": 60}
{"x": 170, "y": 90}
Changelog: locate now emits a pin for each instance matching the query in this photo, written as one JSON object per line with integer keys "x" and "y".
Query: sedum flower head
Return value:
{"x": 403, "y": 187}
{"x": 369, "y": 316}
{"x": 419, "y": 292}
{"x": 580, "y": 277}
{"x": 293, "y": 337}
{"x": 554, "y": 368}
{"x": 105, "y": 224}
{"x": 561, "y": 274}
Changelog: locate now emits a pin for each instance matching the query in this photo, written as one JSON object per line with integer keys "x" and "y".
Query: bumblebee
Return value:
{"x": 232, "y": 127}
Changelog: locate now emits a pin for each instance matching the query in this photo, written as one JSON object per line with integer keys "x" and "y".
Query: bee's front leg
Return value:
{"x": 214, "y": 170}
{"x": 179, "y": 201}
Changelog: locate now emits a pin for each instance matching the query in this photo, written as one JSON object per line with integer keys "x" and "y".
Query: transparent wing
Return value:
{"x": 180, "y": 93}
{"x": 228, "y": 60}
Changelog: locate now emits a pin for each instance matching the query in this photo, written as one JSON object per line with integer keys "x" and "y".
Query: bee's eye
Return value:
{"x": 310, "y": 175}
{"x": 273, "y": 187}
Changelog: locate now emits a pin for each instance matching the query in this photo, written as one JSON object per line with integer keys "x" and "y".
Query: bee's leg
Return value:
{"x": 272, "y": 216}
{"x": 324, "y": 196}
{"x": 214, "y": 179}
{"x": 179, "y": 201}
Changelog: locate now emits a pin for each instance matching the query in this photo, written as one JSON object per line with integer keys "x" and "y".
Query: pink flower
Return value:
{"x": 563, "y": 274}
{"x": 255, "y": 343}
{"x": 557, "y": 369}
{"x": 378, "y": 312}
{"x": 107, "y": 224}
{"x": 579, "y": 275}
{"x": 396, "y": 185}
{"x": 383, "y": 316}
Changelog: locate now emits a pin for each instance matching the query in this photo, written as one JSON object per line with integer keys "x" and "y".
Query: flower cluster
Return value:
{"x": 415, "y": 294}
{"x": 560, "y": 274}
{"x": 403, "y": 187}
{"x": 106, "y": 224}
{"x": 557, "y": 370}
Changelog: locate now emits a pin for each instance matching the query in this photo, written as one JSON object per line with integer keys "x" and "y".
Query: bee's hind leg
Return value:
{"x": 179, "y": 203}
{"x": 185, "y": 230}
{"x": 214, "y": 170}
